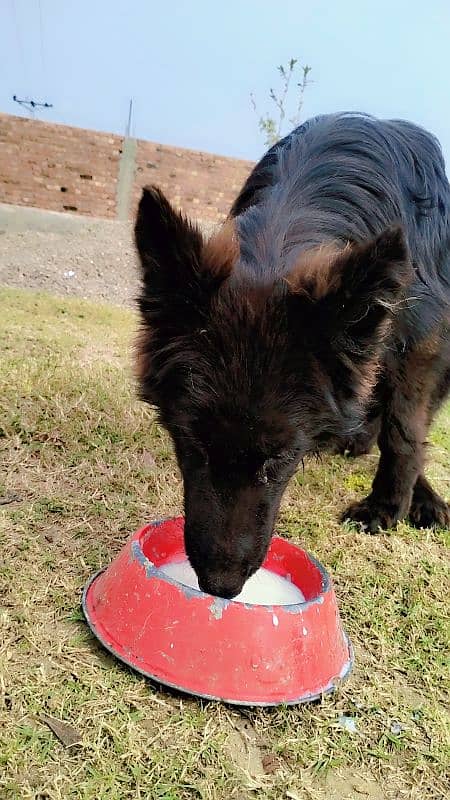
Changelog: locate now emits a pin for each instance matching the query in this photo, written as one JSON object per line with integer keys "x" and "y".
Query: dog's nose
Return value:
{"x": 221, "y": 587}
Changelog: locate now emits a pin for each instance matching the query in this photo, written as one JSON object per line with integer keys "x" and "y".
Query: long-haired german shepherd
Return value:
{"x": 316, "y": 318}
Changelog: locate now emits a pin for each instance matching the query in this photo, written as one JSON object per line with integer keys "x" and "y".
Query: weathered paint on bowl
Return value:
{"x": 215, "y": 648}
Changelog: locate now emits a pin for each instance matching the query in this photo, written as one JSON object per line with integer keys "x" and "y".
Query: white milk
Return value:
{"x": 263, "y": 588}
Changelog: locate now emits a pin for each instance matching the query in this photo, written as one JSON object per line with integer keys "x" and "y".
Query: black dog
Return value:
{"x": 317, "y": 318}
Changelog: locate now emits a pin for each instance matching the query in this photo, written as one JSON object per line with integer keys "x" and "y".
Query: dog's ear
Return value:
{"x": 353, "y": 292}
{"x": 179, "y": 269}
{"x": 169, "y": 246}
{"x": 374, "y": 278}
{"x": 181, "y": 272}
{"x": 344, "y": 306}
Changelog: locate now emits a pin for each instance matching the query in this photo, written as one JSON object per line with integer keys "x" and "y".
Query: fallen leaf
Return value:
{"x": 9, "y": 498}
{"x": 66, "y": 733}
{"x": 271, "y": 763}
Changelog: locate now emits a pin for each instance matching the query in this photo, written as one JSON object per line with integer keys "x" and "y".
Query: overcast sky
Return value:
{"x": 190, "y": 66}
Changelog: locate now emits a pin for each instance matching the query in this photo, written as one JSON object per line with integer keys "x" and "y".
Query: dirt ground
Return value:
{"x": 95, "y": 261}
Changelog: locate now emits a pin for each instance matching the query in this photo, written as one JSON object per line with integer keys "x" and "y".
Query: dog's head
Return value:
{"x": 251, "y": 374}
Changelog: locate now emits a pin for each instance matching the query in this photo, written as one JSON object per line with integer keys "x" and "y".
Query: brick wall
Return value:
{"x": 203, "y": 185}
{"x": 76, "y": 170}
{"x": 57, "y": 167}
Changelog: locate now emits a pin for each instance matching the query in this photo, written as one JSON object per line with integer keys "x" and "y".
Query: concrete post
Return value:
{"x": 125, "y": 180}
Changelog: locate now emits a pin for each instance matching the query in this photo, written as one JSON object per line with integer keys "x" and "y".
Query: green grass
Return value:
{"x": 73, "y": 442}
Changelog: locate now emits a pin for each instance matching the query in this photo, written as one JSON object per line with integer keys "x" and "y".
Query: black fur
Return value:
{"x": 318, "y": 318}
{"x": 347, "y": 177}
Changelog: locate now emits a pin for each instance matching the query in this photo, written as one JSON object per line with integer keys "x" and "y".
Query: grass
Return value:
{"x": 74, "y": 449}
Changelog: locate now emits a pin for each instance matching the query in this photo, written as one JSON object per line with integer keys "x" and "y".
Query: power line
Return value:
{"x": 20, "y": 49}
{"x": 41, "y": 36}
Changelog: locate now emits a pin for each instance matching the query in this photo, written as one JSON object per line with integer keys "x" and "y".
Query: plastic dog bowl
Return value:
{"x": 218, "y": 649}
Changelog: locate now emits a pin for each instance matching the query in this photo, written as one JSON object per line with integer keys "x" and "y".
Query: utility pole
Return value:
{"x": 128, "y": 128}
{"x": 127, "y": 170}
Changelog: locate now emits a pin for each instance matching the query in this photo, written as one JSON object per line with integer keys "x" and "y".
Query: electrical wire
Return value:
{"x": 20, "y": 50}
{"x": 41, "y": 37}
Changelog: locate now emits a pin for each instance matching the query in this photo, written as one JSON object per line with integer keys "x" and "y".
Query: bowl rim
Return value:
{"x": 308, "y": 698}
{"x": 190, "y": 591}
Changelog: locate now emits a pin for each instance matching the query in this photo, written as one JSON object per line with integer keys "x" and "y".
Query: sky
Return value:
{"x": 190, "y": 66}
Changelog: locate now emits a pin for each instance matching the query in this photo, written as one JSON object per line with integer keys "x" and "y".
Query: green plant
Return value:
{"x": 271, "y": 126}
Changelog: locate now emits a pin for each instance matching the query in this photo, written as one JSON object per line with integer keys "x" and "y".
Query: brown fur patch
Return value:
{"x": 431, "y": 345}
{"x": 317, "y": 271}
{"x": 368, "y": 378}
{"x": 221, "y": 251}
{"x": 370, "y": 372}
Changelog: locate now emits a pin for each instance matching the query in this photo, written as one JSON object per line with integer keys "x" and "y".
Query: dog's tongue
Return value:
{"x": 263, "y": 588}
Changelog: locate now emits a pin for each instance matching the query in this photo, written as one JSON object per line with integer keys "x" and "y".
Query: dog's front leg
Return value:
{"x": 401, "y": 441}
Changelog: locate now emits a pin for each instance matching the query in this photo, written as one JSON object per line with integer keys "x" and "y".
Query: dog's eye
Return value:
{"x": 274, "y": 465}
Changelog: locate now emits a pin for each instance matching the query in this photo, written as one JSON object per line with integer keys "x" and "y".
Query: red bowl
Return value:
{"x": 218, "y": 649}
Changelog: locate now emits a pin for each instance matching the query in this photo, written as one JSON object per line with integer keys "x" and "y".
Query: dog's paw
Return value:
{"x": 428, "y": 510}
{"x": 371, "y": 515}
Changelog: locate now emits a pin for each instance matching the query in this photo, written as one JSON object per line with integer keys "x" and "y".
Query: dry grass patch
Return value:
{"x": 86, "y": 465}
